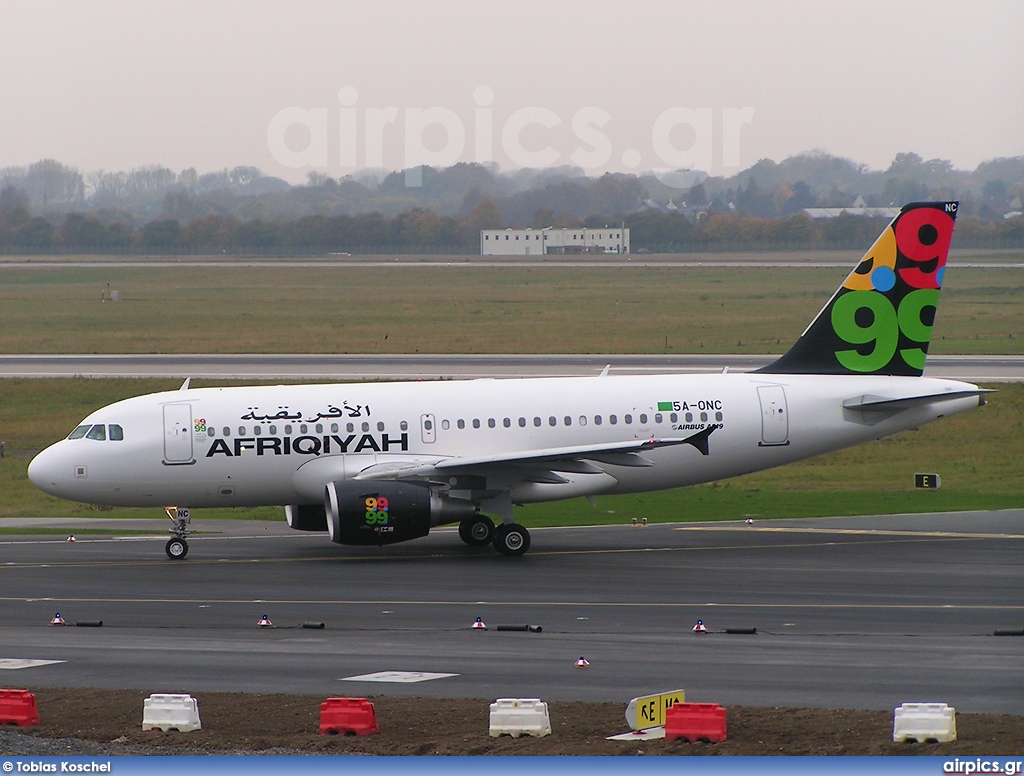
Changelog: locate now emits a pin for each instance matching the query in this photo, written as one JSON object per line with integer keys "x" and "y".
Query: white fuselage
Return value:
{"x": 278, "y": 445}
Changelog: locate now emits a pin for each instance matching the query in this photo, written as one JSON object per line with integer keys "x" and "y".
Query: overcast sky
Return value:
{"x": 608, "y": 85}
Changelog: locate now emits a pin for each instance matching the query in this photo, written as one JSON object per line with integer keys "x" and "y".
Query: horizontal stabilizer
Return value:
{"x": 870, "y": 403}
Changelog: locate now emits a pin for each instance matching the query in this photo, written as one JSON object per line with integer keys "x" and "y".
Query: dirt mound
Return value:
{"x": 235, "y": 722}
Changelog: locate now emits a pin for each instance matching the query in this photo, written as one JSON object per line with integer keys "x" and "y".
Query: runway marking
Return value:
{"x": 895, "y": 538}
{"x": 577, "y": 604}
{"x": 397, "y": 677}
{"x": 853, "y": 532}
{"x": 14, "y": 664}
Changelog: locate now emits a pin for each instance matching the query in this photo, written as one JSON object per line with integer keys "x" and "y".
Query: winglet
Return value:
{"x": 880, "y": 320}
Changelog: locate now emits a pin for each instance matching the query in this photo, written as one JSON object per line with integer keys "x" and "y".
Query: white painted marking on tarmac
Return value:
{"x": 640, "y": 735}
{"x": 13, "y": 663}
{"x": 398, "y": 677}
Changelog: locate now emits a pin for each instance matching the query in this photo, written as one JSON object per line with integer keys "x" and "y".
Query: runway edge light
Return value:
{"x": 479, "y": 624}
{"x": 57, "y": 619}
{"x": 582, "y": 662}
{"x": 699, "y": 627}
{"x": 264, "y": 622}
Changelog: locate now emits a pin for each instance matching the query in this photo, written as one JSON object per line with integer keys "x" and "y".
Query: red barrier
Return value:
{"x": 349, "y": 716}
{"x": 18, "y": 707}
{"x": 695, "y": 721}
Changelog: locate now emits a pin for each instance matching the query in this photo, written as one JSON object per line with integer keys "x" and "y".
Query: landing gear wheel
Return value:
{"x": 477, "y": 531}
{"x": 176, "y": 548}
{"x": 511, "y": 539}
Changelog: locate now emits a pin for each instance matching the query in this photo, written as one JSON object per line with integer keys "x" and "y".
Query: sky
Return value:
{"x": 333, "y": 87}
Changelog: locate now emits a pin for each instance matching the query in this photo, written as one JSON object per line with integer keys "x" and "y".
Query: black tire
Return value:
{"x": 176, "y": 548}
{"x": 511, "y": 539}
{"x": 477, "y": 531}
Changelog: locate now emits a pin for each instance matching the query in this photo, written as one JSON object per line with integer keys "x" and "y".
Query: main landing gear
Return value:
{"x": 507, "y": 538}
{"x": 176, "y": 547}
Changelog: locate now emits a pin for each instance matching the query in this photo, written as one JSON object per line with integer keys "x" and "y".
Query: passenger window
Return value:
{"x": 79, "y": 432}
{"x": 490, "y": 423}
{"x": 365, "y": 427}
{"x": 320, "y": 428}
{"x": 704, "y": 416}
{"x": 658, "y": 418}
{"x": 241, "y": 431}
{"x": 583, "y": 420}
{"x": 117, "y": 433}
{"x": 210, "y": 431}
{"x": 613, "y": 419}
{"x": 427, "y": 425}
{"x": 552, "y": 421}
{"x": 718, "y": 416}
{"x": 674, "y": 418}
{"x": 522, "y": 423}
{"x": 476, "y": 422}
{"x": 627, "y": 419}
{"x": 380, "y": 425}
{"x": 461, "y": 423}
{"x": 507, "y": 423}
{"x": 348, "y": 427}
{"x": 99, "y": 431}
{"x": 334, "y": 428}
{"x": 273, "y": 430}
{"x": 226, "y": 431}
{"x": 256, "y": 430}
{"x": 536, "y": 422}
{"x": 689, "y": 417}
{"x": 444, "y": 424}
{"x": 568, "y": 420}
{"x": 288, "y": 429}
{"x": 597, "y": 420}
{"x": 405, "y": 426}
{"x": 643, "y": 419}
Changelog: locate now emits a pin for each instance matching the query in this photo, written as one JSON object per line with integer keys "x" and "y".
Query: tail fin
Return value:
{"x": 880, "y": 320}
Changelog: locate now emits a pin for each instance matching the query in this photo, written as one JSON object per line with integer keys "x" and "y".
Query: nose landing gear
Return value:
{"x": 176, "y": 547}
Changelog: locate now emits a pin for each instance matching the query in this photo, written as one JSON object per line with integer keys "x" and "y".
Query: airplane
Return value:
{"x": 380, "y": 463}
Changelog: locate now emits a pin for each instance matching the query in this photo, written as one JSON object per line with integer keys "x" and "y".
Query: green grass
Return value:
{"x": 978, "y": 455}
{"x": 615, "y": 309}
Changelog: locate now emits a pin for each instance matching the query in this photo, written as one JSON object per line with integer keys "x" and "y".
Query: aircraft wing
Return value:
{"x": 574, "y": 459}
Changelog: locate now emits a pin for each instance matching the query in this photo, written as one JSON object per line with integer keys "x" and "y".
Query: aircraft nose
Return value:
{"x": 46, "y": 470}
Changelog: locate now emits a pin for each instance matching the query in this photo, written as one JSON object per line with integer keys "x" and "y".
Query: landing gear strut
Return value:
{"x": 477, "y": 531}
{"x": 177, "y": 547}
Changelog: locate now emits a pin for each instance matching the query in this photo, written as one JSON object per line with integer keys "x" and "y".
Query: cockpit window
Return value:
{"x": 79, "y": 432}
{"x": 117, "y": 433}
{"x": 99, "y": 431}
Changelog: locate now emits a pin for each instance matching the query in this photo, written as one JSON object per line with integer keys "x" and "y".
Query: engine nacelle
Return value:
{"x": 306, "y": 517}
{"x": 387, "y": 512}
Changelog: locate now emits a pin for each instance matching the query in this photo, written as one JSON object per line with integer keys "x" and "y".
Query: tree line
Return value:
{"x": 423, "y": 230}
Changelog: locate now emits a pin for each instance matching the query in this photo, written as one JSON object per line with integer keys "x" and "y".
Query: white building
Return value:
{"x": 537, "y": 242}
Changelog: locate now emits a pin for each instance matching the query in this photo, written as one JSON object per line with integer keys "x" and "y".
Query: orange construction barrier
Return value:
{"x": 695, "y": 721}
{"x": 348, "y": 716}
{"x": 18, "y": 707}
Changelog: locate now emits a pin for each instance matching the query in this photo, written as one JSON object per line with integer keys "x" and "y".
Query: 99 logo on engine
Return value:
{"x": 376, "y": 510}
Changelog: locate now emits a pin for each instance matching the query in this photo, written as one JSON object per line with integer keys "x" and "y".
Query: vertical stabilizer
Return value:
{"x": 879, "y": 321}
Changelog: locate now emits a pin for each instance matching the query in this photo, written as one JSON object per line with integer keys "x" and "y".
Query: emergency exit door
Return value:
{"x": 178, "y": 434}
{"x": 774, "y": 416}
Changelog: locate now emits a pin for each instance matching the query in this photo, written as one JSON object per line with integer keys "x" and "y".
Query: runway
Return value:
{"x": 425, "y": 366}
{"x": 856, "y": 612}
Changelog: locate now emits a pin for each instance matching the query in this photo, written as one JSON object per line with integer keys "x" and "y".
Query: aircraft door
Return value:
{"x": 428, "y": 428}
{"x": 178, "y": 434}
{"x": 774, "y": 416}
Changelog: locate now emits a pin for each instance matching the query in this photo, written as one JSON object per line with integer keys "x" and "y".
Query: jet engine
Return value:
{"x": 306, "y": 517}
{"x": 387, "y": 512}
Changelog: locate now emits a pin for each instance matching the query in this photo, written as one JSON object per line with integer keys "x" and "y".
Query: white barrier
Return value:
{"x": 924, "y": 722}
{"x": 520, "y": 716}
{"x": 170, "y": 712}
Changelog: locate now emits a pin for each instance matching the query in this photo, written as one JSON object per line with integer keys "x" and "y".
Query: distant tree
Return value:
{"x": 161, "y": 234}
{"x": 484, "y": 216}
{"x": 48, "y": 182}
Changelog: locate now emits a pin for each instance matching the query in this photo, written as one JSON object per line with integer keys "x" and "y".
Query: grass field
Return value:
{"x": 617, "y": 309}
{"x": 978, "y": 455}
